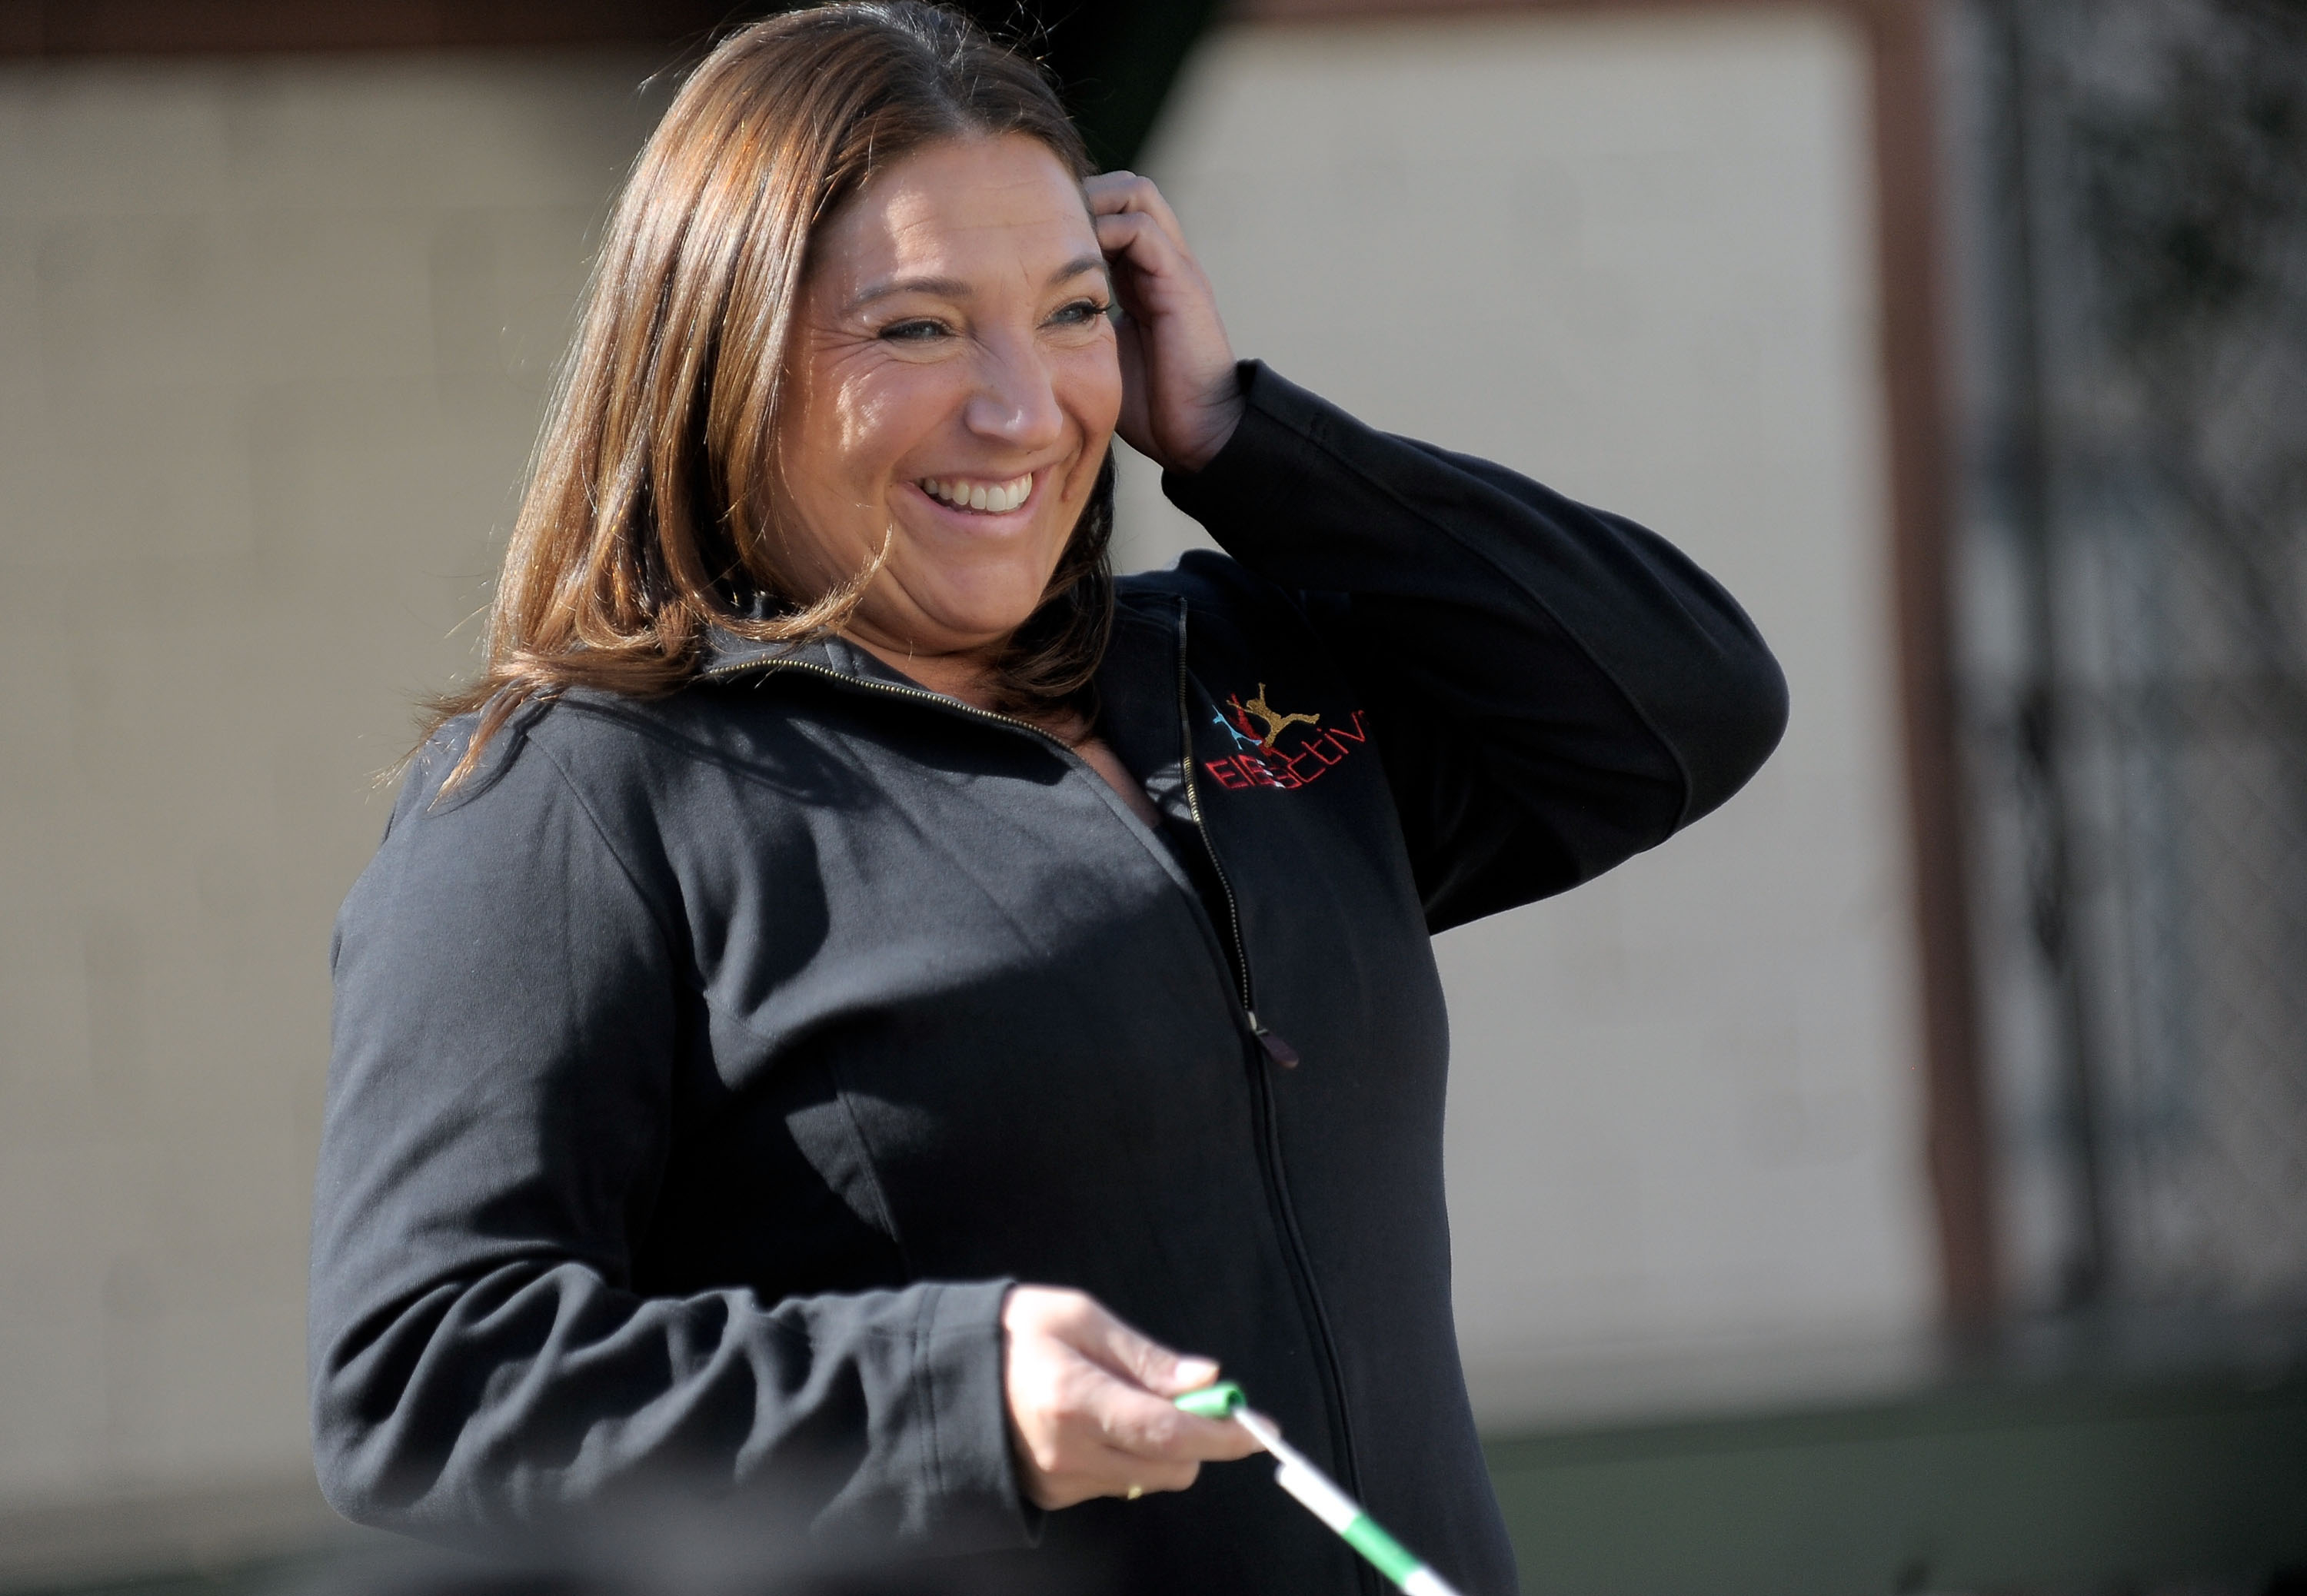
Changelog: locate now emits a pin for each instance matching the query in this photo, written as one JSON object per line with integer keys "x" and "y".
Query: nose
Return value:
{"x": 1016, "y": 400}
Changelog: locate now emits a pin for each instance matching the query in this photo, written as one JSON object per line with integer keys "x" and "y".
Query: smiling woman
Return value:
{"x": 953, "y": 388}
{"x": 825, "y": 983}
{"x": 727, "y": 336}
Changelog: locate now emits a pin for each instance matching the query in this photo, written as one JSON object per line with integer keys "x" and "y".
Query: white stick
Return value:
{"x": 1321, "y": 1496}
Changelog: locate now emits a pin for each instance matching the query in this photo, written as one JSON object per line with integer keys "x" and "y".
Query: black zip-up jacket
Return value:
{"x": 706, "y": 1068}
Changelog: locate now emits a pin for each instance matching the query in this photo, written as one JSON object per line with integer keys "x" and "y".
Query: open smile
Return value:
{"x": 975, "y": 494}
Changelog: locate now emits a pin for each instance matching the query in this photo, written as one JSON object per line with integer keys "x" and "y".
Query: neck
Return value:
{"x": 963, "y": 675}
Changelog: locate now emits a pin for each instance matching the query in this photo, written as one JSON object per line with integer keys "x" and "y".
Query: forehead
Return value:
{"x": 957, "y": 208}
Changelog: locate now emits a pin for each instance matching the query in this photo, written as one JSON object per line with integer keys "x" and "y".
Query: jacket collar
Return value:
{"x": 727, "y": 653}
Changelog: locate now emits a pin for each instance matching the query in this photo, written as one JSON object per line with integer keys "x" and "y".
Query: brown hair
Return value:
{"x": 652, "y": 513}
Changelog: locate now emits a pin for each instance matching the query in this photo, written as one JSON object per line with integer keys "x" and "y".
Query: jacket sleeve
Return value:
{"x": 509, "y": 1007}
{"x": 1554, "y": 688}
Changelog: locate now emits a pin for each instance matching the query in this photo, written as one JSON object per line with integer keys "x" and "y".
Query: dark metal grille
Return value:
{"x": 2137, "y": 608}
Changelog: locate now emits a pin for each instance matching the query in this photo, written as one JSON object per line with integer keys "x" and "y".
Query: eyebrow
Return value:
{"x": 955, "y": 288}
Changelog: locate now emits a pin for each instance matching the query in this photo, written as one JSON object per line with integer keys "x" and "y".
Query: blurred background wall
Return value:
{"x": 281, "y": 287}
{"x": 274, "y": 338}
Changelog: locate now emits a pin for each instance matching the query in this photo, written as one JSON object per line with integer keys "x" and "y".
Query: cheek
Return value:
{"x": 1091, "y": 379}
{"x": 876, "y": 411}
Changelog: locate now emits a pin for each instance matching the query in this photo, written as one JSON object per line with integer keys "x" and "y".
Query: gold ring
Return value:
{"x": 1136, "y": 1491}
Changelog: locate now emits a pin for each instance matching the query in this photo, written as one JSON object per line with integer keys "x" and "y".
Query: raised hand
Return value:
{"x": 1179, "y": 396}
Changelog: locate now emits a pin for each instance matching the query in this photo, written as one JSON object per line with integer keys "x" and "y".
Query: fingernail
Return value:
{"x": 1197, "y": 1371}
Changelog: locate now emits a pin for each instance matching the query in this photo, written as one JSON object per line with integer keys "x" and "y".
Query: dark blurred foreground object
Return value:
{"x": 1115, "y": 59}
{"x": 683, "y": 1549}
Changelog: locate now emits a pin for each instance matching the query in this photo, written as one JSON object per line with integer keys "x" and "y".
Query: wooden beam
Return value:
{"x": 65, "y": 27}
{"x": 1909, "y": 251}
{"x": 1913, "y": 358}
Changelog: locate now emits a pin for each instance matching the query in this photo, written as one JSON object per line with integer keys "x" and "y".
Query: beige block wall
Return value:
{"x": 1631, "y": 255}
{"x": 273, "y": 340}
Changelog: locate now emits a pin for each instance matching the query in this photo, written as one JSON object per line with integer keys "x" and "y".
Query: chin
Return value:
{"x": 989, "y": 627}
{"x": 987, "y": 611}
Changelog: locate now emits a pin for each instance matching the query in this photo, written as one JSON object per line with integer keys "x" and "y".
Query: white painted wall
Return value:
{"x": 1632, "y": 257}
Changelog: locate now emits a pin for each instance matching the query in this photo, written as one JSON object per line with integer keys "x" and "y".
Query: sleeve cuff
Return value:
{"x": 1274, "y": 444}
{"x": 972, "y": 1464}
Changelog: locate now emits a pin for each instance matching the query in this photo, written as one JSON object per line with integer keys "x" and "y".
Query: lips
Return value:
{"x": 965, "y": 493}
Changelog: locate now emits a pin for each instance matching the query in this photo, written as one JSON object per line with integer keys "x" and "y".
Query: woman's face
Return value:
{"x": 952, "y": 386}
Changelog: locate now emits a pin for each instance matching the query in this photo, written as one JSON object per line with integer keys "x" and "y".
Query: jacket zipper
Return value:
{"x": 1269, "y": 1127}
{"x": 1202, "y": 830}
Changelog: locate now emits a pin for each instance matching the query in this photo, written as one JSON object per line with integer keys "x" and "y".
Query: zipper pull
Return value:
{"x": 1276, "y": 1049}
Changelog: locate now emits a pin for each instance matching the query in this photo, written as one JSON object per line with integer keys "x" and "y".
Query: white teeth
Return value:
{"x": 997, "y": 498}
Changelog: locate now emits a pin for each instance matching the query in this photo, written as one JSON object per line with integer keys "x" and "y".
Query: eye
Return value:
{"x": 920, "y": 330}
{"x": 1081, "y": 312}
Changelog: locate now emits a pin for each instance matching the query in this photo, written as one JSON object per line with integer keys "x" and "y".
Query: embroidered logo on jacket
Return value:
{"x": 1263, "y": 760}
{"x": 1275, "y": 722}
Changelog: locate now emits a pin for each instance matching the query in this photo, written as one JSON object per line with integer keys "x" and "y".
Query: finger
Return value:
{"x": 1156, "y": 264}
{"x": 1084, "y": 1458}
{"x": 1137, "y": 234}
{"x": 1126, "y": 1351}
{"x": 1116, "y": 192}
{"x": 1115, "y": 1436}
{"x": 1208, "y": 1441}
{"x": 1112, "y": 1474}
{"x": 1146, "y": 1426}
{"x": 1120, "y": 1471}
